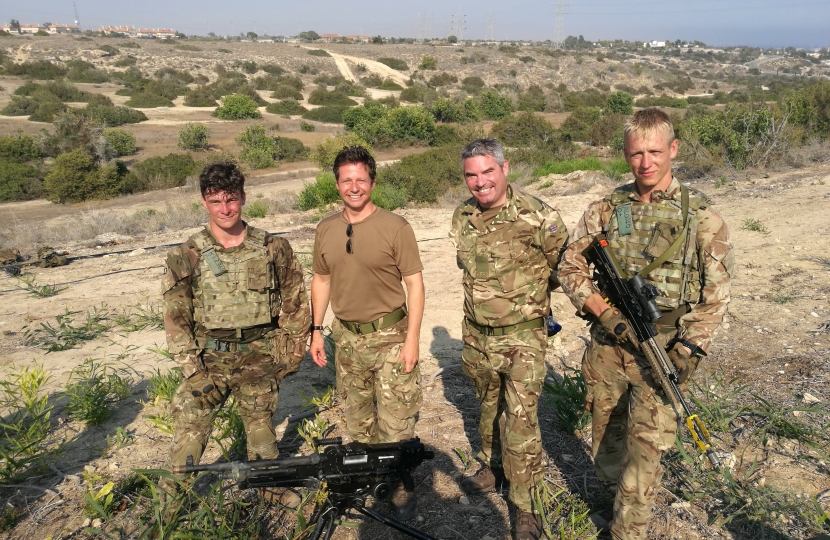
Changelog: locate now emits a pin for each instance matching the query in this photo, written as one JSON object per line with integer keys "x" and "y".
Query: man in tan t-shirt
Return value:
{"x": 360, "y": 257}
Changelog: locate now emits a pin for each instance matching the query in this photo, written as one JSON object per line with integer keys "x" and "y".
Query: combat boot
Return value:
{"x": 528, "y": 526}
{"x": 285, "y": 497}
{"x": 405, "y": 503}
{"x": 484, "y": 481}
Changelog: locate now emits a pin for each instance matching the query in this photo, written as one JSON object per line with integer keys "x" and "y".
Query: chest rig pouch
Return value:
{"x": 657, "y": 241}
{"x": 233, "y": 289}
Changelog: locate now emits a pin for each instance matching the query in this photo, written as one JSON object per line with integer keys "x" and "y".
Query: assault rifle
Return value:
{"x": 635, "y": 300}
{"x": 347, "y": 472}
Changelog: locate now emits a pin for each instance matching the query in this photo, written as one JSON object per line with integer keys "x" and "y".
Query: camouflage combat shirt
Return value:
{"x": 291, "y": 311}
{"x": 711, "y": 248}
{"x": 509, "y": 263}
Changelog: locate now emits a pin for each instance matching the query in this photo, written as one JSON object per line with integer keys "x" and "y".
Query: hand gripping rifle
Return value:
{"x": 348, "y": 472}
{"x": 635, "y": 300}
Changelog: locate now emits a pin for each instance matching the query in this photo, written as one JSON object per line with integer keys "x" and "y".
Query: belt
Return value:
{"x": 373, "y": 326}
{"x": 231, "y": 346}
{"x": 503, "y": 330}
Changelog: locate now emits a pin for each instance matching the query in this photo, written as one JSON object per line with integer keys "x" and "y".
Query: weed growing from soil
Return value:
{"x": 256, "y": 209}
{"x": 26, "y": 420}
{"x": 163, "y": 386}
{"x": 563, "y": 515}
{"x": 466, "y": 460}
{"x": 754, "y": 225}
{"x": 145, "y": 315}
{"x": 65, "y": 334}
{"x": 93, "y": 386}
{"x": 229, "y": 432}
{"x": 98, "y": 500}
{"x": 323, "y": 400}
{"x": 163, "y": 422}
{"x": 568, "y": 398}
{"x": 313, "y": 429}
{"x": 29, "y": 284}
{"x": 121, "y": 439}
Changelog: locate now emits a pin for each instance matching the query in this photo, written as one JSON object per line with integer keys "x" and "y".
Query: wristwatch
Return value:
{"x": 696, "y": 351}
{"x": 315, "y": 327}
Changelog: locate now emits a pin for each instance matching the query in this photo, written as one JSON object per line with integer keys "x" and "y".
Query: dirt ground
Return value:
{"x": 782, "y": 349}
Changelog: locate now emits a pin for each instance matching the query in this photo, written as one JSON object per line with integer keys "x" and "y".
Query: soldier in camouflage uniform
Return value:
{"x": 360, "y": 258}
{"x": 667, "y": 233}
{"x": 508, "y": 245}
{"x": 236, "y": 314}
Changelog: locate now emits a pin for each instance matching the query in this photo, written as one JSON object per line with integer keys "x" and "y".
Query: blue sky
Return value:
{"x": 767, "y": 23}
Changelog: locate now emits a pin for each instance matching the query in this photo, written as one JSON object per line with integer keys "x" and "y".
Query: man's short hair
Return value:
{"x": 483, "y": 147}
{"x": 647, "y": 121}
{"x": 221, "y": 177}
{"x": 355, "y": 154}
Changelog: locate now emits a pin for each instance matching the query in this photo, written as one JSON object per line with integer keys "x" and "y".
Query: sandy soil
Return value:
{"x": 778, "y": 348}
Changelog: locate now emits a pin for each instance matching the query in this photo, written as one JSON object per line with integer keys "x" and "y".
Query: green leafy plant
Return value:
{"x": 163, "y": 422}
{"x": 719, "y": 401}
{"x": 99, "y": 501}
{"x": 563, "y": 515}
{"x": 237, "y": 106}
{"x": 121, "y": 439}
{"x": 120, "y": 141}
{"x": 26, "y": 420}
{"x": 324, "y": 400}
{"x": 144, "y": 315}
{"x": 194, "y": 136}
{"x": 325, "y": 152}
{"x": 319, "y": 194}
{"x": 394, "y": 63}
{"x": 256, "y": 209}
{"x": 313, "y": 429}
{"x": 568, "y": 397}
{"x": 754, "y": 225}
{"x": 466, "y": 460}
{"x": 34, "y": 290}
{"x": 93, "y": 386}
{"x": 65, "y": 334}
{"x": 307, "y": 126}
{"x": 163, "y": 386}
{"x": 229, "y": 432}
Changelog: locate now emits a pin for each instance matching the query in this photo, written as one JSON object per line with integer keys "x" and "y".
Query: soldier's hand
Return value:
{"x": 684, "y": 361}
{"x": 409, "y": 356}
{"x": 318, "y": 349}
{"x": 616, "y": 324}
{"x": 207, "y": 392}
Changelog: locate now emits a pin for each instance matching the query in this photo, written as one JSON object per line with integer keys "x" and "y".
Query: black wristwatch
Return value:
{"x": 696, "y": 351}
{"x": 314, "y": 327}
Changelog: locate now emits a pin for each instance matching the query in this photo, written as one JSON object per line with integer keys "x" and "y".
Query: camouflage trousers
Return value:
{"x": 381, "y": 400}
{"x": 632, "y": 425}
{"x": 253, "y": 382}
{"x": 508, "y": 372}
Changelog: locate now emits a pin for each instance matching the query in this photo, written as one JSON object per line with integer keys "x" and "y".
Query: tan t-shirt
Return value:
{"x": 366, "y": 285}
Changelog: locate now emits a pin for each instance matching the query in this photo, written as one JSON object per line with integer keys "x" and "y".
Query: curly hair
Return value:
{"x": 221, "y": 177}
{"x": 355, "y": 154}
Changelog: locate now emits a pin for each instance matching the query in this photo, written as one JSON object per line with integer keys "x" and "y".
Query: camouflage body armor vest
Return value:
{"x": 233, "y": 290}
{"x": 640, "y": 233}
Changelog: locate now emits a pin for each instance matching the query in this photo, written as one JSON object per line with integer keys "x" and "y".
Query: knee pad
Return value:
{"x": 262, "y": 443}
{"x": 178, "y": 456}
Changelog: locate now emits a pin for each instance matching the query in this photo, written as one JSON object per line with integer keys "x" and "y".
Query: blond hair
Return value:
{"x": 647, "y": 121}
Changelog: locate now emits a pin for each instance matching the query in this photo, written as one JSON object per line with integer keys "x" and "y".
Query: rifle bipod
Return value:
{"x": 338, "y": 504}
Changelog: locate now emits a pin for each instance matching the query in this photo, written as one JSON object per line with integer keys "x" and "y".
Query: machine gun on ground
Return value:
{"x": 635, "y": 300}
{"x": 349, "y": 473}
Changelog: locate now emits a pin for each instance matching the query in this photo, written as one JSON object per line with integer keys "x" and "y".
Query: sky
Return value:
{"x": 760, "y": 23}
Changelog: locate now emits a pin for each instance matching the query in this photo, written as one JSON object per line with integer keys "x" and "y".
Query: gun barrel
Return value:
{"x": 278, "y": 463}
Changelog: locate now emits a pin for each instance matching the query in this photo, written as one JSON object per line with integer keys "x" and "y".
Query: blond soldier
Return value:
{"x": 360, "y": 257}
{"x": 633, "y": 423}
{"x": 236, "y": 315}
{"x": 509, "y": 245}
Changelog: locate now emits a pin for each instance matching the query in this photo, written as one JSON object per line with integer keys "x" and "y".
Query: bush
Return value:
{"x": 411, "y": 125}
{"x": 288, "y": 149}
{"x": 394, "y": 63}
{"x": 249, "y": 66}
{"x": 120, "y": 141}
{"x": 286, "y": 106}
{"x": 257, "y": 148}
{"x": 428, "y": 63}
{"x": 76, "y": 178}
{"x": 389, "y": 197}
{"x": 318, "y": 52}
{"x": 286, "y": 92}
{"x": 620, "y": 103}
{"x": 272, "y": 69}
{"x": 324, "y": 97}
{"x": 194, "y": 137}
{"x": 525, "y": 129}
{"x": 413, "y": 94}
{"x": 319, "y": 194}
{"x": 237, "y": 106}
{"x": 577, "y": 125}
{"x": 109, "y": 116}
{"x": 607, "y": 129}
{"x": 40, "y": 69}
{"x": 160, "y": 172}
{"x": 307, "y": 126}
{"x": 46, "y": 112}
{"x": 199, "y": 97}
{"x": 444, "y": 135}
{"x": 99, "y": 99}
{"x": 472, "y": 85}
{"x": 533, "y": 99}
{"x": 666, "y": 101}
{"x": 18, "y": 148}
{"x": 588, "y": 98}
{"x": 442, "y": 79}
{"x": 148, "y": 101}
{"x": 494, "y": 106}
{"x": 425, "y": 176}
{"x": 326, "y": 150}
{"x": 81, "y": 71}
{"x": 20, "y": 106}
{"x": 19, "y": 182}
{"x": 330, "y": 114}
{"x": 371, "y": 81}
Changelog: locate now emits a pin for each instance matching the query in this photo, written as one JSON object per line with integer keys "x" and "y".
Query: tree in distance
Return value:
{"x": 194, "y": 137}
{"x": 237, "y": 106}
{"x": 620, "y": 103}
{"x": 310, "y": 35}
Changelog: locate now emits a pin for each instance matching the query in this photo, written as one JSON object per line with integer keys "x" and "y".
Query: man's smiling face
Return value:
{"x": 486, "y": 180}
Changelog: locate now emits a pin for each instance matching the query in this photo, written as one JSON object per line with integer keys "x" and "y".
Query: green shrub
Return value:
{"x": 76, "y": 178}
{"x": 325, "y": 152}
{"x": 444, "y": 135}
{"x": 525, "y": 129}
{"x": 666, "y": 101}
{"x": 258, "y": 149}
{"x": 588, "y": 98}
{"x": 109, "y": 116}
{"x": 248, "y": 66}
{"x": 256, "y": 209}
{"x": 428, "y": 63}
{"x": 447, "y": 110}
{"x": 619, "y": 103}
{"x": 286, "y": 106}
{"x": 19, "y": 182}
{"x": 148, "y": 101}
{"x": 237, "y": 106}
{"x": 319, "y": 194}
{"x": 413, "y": 94}
{"x": 272, "y": 69}
{"x": 324, "y": 97}
{"x": 394, "y": 63}
{"x": 194, "y": 136}
{"x": 608, "y": 128}
{"x": 18, "y": 148}
{"x": 46, "y": 112}
{"x": 307, "y": 126}
{"x": 289, "y": 149}
{"x": 372, "y": 81}
{"x": 120, "y": 141}
{"x": 330, "y": 114}
{"x": 99, "y": 99}
{"x": 442, "y": 79}
{"x": 576, "y": 127}
{"x": 412, "y": 124}
{"x": 389, "y": 197}
{"x": 590, "y": 163}
{"x": 199, "y": 97}
{"x": 389, "y": 84}
{"x": 160, "y": 172}
{"x": 286, "y": 92}
{"x": 318, "y": 52}
{"x": 425, "y": 176}
{"x": 81, "y": 71}
{"x": 127, "y": 61}
{"x": 20, "y": 106}
{"x": 42, "y": 70}
{"x": 266, "y": 83}
{"x": 109, "y": 49}
{"x": 494, "y": 106}
{"x": 472, "y": 85}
